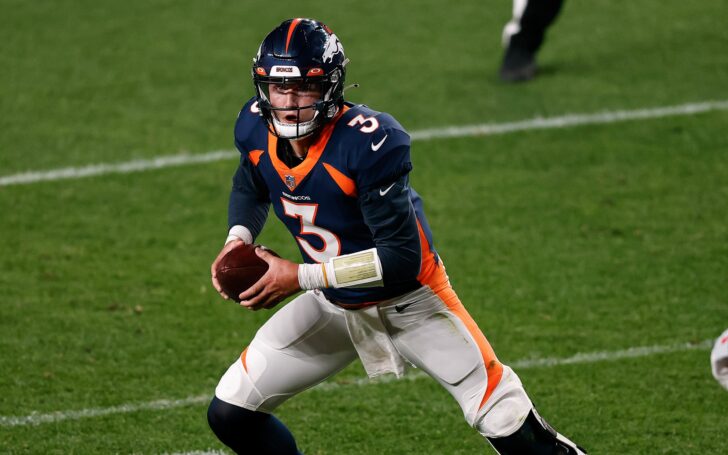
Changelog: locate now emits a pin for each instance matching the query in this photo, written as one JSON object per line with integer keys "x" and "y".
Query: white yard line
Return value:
{"x": 114, "y": 168}
{"x": 590, "y": 357}
{"x": 570, "y": 120}
{"x": 538, "y": 123}
{"x": 58, "y": 416}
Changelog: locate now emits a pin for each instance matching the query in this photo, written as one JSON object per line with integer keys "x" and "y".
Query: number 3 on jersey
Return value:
{"x": 368, "y": 124}
{"x": 306, "y": 213}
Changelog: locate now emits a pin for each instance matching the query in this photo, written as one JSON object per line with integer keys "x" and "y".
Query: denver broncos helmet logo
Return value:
{"x": 333, "y": 47}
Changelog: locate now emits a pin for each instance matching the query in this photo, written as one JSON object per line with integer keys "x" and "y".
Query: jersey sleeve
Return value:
{"x": 381, "y": 174}
{"x": 249, "y": 200}
{"x": 390, "y": 215}
{"x": 384, "y": 155}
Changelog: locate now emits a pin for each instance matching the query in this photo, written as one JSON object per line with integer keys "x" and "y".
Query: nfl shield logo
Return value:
{"x": 290, "y": 182}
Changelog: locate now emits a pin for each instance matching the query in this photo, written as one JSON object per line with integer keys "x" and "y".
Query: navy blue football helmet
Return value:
{"x": 302, "y": 53}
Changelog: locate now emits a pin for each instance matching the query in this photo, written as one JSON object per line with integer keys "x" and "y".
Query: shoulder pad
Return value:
{"x": 380, "y": 146}
{"x": 248, "y": 125}
{"x": 374, "y": 131}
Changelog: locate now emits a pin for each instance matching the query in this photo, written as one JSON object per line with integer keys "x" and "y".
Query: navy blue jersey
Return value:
{"x": 350, "y": 193}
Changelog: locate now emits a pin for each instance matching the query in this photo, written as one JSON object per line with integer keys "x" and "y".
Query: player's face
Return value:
{"x": 294, "y": 95}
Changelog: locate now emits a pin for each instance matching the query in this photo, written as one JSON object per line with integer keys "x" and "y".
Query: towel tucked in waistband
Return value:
{"x": 373, "y": 344}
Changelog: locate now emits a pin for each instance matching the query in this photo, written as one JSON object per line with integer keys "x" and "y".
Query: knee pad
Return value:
{"x": 237, "y": 387}
{"x": 506, "y": 409}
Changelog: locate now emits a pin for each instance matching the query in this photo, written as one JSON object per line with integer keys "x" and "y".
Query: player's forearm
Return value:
{"x": 248, "y": 212}
{"x": 393, "y": 222}
{"x": 356, "y": 270}
{"x": 248, "y": 204}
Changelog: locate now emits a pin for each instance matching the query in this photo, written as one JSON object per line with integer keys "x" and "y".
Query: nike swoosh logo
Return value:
{"x": 383, "y": 192}
{"x": 376, "y": 146}
{"x": 400, "y": 308}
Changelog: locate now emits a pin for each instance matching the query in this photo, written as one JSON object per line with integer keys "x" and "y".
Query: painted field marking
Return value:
{"x": 159, "y": 162}
{"x": 484, "y": 129}
{"x": 158, "y": 405}
{"x": 569, "y": 120}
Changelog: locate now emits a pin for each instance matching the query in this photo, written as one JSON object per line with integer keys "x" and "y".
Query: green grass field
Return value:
{"x": 560, "y": 242}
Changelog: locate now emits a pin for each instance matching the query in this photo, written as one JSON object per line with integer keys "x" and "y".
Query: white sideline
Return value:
{"x": 537, "y": 123}
{"x": 590, "y": 357}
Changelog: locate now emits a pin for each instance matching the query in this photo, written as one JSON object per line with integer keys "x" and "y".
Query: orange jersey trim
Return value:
{"x": 254, "y": 156}
{"x": 298, "y": 173}
{"x": 346, "y": 184}
{"x": 428, "y": 264}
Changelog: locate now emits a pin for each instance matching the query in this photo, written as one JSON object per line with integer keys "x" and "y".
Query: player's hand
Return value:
{"x": 213, "y": 268}
{"x": 279, "y": 282}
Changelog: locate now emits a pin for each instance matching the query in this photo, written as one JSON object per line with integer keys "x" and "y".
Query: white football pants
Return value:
{"x": 308, "y": 340}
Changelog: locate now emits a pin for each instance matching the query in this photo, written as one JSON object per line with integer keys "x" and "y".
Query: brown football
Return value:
{"x": 239, "y": 269}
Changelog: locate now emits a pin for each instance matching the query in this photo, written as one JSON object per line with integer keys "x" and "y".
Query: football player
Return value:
{"x": 719, "y": 359}
{"x": 375, "y": 287}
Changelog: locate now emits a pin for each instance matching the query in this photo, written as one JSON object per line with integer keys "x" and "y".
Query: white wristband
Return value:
{"x": 239, "y": 232}
{"x": 311, "y": 276}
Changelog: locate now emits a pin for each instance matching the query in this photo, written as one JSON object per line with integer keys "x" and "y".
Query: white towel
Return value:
{"x": 372, "y": 343}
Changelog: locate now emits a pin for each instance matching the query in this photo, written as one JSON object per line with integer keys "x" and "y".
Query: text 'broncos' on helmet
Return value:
{"x": 300, "y": 54}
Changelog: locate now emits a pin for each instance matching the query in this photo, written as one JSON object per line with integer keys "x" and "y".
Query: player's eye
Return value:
{"x": 298, "y": 87}
{"x": 310, "y": 87}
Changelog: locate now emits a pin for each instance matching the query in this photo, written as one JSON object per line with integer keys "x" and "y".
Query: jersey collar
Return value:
{"x": 292, "y": 177}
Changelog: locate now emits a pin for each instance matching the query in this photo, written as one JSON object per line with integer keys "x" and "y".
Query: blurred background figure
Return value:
{"x": 719, "y": 359}
{"x": 523, "y": 36}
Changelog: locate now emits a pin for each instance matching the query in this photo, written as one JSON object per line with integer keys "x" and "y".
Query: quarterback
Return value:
{"x": 374, "y": 285}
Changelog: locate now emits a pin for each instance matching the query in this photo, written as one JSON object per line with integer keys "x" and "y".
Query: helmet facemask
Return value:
{"x": 285, "y": 121}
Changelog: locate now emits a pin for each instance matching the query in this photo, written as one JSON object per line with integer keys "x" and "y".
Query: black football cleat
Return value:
{"x": 535, "y": 437}
{"x": 519, "y": 65}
